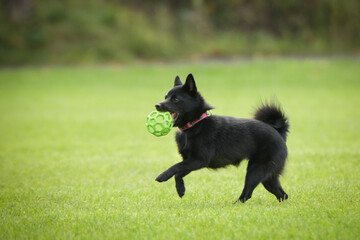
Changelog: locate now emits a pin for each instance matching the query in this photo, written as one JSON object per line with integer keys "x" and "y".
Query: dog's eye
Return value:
{"x": 174, "y": 99}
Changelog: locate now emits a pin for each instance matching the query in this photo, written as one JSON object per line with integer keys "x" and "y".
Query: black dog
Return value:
{"x": 217, "y": 141}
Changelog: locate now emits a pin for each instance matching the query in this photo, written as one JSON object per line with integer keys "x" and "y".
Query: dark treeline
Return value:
{"x": 120, "y": 30}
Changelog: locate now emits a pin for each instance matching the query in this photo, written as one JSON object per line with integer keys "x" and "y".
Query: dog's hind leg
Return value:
{"x": 257, "y": 172}
{"x": 255, "y": 175}
{"x": 272, "y": 184}
{"x": 179, "y": 183}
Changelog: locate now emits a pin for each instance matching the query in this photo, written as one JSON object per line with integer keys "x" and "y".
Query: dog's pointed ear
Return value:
{"x": 190, "y": 84}
{"x": 177, "y": 82}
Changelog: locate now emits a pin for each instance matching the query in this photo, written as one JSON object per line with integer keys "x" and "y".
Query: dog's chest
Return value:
{"x": 186, "y": 144}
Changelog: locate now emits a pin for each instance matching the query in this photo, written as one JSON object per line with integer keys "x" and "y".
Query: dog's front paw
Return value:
{"x": 180, "y": 188}
{"x": 163, "y": 177}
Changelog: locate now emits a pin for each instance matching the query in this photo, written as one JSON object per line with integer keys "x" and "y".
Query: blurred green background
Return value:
{"x": 108, "y": 31}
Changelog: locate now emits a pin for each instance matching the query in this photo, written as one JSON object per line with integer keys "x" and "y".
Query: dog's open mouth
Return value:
{"x": 174, "y": 116}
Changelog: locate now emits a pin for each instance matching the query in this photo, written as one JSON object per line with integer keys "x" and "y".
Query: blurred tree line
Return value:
{"x": 66, "y": 31}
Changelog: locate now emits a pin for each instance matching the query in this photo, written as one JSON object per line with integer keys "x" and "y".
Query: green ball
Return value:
{"x": 159, "y": 123}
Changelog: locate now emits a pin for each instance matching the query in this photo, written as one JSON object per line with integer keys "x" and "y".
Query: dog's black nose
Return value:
{"x": 157, "y": 106}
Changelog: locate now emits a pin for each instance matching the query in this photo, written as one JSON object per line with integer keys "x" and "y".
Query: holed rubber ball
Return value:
{"x": 159, "y": 123}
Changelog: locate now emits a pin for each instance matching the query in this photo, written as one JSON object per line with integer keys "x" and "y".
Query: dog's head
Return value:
{"x": 184, "y": 102}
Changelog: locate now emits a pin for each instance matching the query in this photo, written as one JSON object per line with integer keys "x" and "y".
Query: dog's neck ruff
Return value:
{"x": 191, "y": 124}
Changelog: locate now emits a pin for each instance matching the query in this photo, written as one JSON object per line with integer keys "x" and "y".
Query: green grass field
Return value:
{"x": 76, "y": 161}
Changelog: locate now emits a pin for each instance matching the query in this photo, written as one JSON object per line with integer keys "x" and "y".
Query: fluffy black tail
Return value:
{"x": 273, "y": 115}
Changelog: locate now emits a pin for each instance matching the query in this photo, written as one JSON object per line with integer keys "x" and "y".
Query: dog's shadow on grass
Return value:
{"x": 206, "y": 201}
{"x": 219, "y": 203}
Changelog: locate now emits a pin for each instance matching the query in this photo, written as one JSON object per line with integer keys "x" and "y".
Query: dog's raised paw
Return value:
{"x": 180, "y": 190}
{"x": 158, "y": 179}
{"x": 162, "y": 177}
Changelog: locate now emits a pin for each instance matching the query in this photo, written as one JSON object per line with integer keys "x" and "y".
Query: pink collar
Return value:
{"x": 191, "y": 124}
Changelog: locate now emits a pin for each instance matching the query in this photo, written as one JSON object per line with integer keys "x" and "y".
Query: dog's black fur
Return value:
{"x": 218, "y": 141}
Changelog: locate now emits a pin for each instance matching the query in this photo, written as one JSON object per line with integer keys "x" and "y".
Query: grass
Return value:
{"x": 76, "y": 160}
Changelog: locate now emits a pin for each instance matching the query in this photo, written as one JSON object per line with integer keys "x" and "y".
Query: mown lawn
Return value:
{"x": 77, "y": 162}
